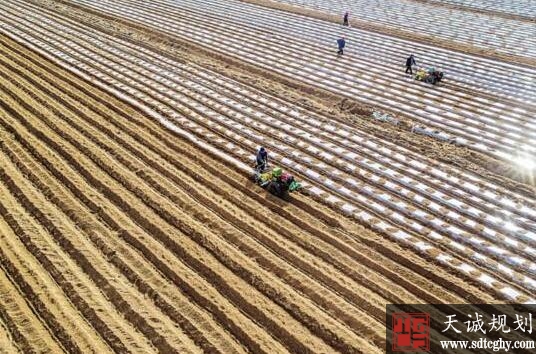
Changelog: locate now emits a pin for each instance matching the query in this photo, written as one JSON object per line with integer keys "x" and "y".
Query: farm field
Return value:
{"x": 480, "y": 30}
{"x": 522, "y": 8}
{"x": 490, "y": 113}
{"x": 128, "y": 218}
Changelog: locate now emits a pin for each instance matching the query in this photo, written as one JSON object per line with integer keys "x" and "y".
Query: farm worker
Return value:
{"x": 262, "y": 159}
{"x": 341, "y": 43}
{"x": 409, "y": 62}
{"x": 345, "y": 19}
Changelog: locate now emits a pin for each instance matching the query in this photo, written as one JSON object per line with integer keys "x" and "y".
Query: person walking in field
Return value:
{"x": 409, "y": 62}
{"x": 262, "y": 159}
{"x": 341, "y": 43}
{"x": 345, "y": 19}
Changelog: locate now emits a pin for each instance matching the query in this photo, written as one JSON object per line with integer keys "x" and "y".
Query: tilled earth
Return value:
{"x": 119, "y": 235}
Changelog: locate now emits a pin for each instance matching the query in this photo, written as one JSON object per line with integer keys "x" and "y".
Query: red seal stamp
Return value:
{"x": 411, "y": 332}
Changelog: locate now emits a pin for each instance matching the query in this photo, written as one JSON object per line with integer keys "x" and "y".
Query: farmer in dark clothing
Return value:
{"x": 262, "y": 159}
{"x": 341, "y": 43}
{"x": 345, "y": 19}
{"x": 409, "y": 62}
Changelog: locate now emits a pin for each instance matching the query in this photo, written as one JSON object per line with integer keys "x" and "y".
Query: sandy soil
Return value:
{"x": 117, "y": 235}
{"x": 120, "y": 236}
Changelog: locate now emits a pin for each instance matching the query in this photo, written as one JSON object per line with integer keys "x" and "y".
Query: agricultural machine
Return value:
{"x": 429, "y": 75}
{"x": 276, "y": 181}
